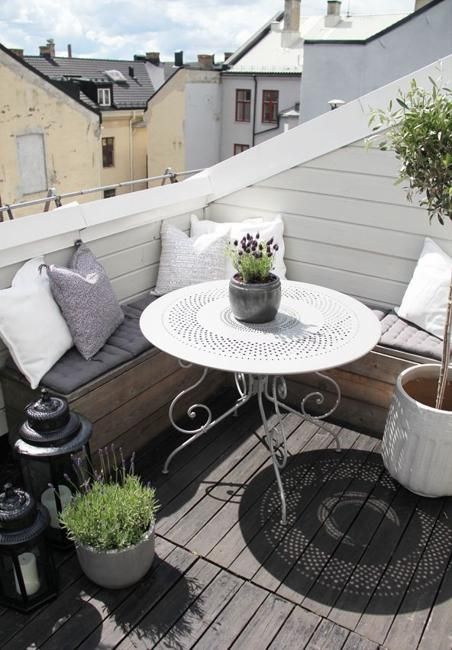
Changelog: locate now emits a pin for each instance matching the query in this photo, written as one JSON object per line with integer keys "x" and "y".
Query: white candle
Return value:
{"x": 29, "y": 569}
{"x": 48, "y": 499}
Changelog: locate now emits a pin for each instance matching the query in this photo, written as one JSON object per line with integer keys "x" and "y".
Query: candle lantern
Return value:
{"x": 27, "y": 571}
{"x": 53, "y": 449}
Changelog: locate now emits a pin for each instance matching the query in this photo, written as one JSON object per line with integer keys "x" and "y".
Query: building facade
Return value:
{"x": 49, "y": 138}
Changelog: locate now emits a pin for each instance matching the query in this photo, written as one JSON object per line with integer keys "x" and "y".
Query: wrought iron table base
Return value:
{"x": 273, "y": 389}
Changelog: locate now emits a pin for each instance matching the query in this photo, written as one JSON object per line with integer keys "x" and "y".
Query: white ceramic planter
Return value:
{"x": 118, "y": 569}
{"x": 417, "y": 440}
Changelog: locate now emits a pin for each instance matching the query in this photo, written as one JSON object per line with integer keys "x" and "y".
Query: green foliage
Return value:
{"x": 110, "y": 513}
{"x": 253, "y": 258}
{"x": 420, "y": 132}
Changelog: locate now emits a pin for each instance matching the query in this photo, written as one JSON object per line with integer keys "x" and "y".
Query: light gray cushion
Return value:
{"x": 189, "y": 260}
{"x": 73, "y": 371}
{"x": 399, "y": 334}
{"x": 87, "y": 301}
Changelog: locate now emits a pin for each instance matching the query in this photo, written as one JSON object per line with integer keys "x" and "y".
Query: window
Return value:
{"x": 270, "y": 100}
{"x": 108, "y": 158}
{"x": 31, "y": 162}
{"x": 243, "y": 105}
{"x": 104, "y": 96}
{"x": 109, "y": 193}
{"x": 238, "y": 148}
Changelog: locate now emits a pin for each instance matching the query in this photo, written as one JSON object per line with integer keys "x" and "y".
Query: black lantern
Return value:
{"x": 53, "y": 448}
{"x": 27, "y": 571}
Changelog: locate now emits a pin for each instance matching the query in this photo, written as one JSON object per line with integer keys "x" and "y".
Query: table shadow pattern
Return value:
{"x": 354, "y": 537}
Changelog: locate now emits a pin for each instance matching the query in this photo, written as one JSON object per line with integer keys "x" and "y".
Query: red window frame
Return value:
{"x": 238, "y": 148}
{"x": 243, "y": 105}
{"x": 270, "y": 101}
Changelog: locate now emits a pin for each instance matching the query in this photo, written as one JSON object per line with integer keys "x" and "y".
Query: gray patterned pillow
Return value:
{"x": 189, "y": 260}
{"x": 87, "y": 301}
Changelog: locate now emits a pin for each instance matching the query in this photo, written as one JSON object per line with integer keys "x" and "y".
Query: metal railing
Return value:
{"x": 52, "y": 194}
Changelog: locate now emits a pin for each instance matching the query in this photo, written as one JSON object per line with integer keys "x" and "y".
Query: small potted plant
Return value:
{"x": 254, "y": 291}
{"x": 111, "y": 520}
{"x": 417, "y": 441}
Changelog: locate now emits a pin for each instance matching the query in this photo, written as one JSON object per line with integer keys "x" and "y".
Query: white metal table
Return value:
{"x": 316, "y": 328}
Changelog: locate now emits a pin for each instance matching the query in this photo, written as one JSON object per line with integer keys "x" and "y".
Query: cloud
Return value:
{"x": 117, "y": 29}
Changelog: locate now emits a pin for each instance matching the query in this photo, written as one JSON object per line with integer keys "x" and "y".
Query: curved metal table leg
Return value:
{"x": 245, "y": 393}
{"x": 276, "y": 440}
{"x": 280, "y": 393}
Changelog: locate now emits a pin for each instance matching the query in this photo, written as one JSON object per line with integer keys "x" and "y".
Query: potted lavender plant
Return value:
{"x": 254, "y": 291}
{"x": 111, "y": 520}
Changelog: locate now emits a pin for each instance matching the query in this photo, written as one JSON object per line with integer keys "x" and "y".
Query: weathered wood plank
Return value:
{"x": 204, "y": 610}
{"x": 298, "y": 628}
{"x": 368, "y": 571}
{"x": 212, "y": 534}
{"x": 140, "y": 600}
{"x": 231, "y": 621}
{"x": 265, "y": 624}
{"x": 384, "y": 604}
{"x": 250, "y": 518}
{"x": 328, "y": 636}
{"x": 166, "y": 618}
{"x": 408, "y": 626}
{"x": 288, "y": 579}
{"x": 257, "y": 549}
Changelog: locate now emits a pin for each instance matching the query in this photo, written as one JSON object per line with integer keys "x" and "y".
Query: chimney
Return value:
{"x": 179, "y": 58}
{"x": 291, "y": 29}
{"x": 69, "y": 51}
{"x": 153, "y": 57}
{"x": 333, "y": 13}
{"x": 131, "y": 72}
{"x": 421, "y": 3}
{"x": 17, "y": 51}
{"x": 206, "y": 60}
{"x": 48, "y": 50}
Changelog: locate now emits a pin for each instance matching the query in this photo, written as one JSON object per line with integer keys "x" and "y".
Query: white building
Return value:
{"x": 362, "y": 53}
{"x": 262, "y": 83}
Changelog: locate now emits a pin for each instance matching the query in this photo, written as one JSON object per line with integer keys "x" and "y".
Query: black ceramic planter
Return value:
{"x": 255, "y": 303}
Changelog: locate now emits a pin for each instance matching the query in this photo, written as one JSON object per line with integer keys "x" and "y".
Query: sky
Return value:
{"x": 118, "y": 29}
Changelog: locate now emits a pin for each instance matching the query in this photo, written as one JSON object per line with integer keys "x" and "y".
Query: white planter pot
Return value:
{"x": 118, "y": 569}
{"x": 417, "y": 440}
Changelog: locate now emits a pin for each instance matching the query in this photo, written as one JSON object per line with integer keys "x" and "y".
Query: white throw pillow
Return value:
{"x": 425, "y": 300}
{"x": 31, "y": 324}
{"x": 236, "y": 230}
{"x": 189, "y": 260}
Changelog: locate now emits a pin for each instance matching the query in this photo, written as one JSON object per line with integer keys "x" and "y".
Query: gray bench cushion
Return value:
{"x": 126, "y": 343}
{"x": 401, "y": 335}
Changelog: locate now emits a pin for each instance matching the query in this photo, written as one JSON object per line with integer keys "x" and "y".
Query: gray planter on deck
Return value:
{"x": 118, "y": 568}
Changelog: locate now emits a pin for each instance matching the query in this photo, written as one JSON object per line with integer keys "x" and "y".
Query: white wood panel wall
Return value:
{"x": 347, "y": 225}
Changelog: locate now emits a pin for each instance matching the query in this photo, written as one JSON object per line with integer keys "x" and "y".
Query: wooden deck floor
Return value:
{"x": 362, "y": 564}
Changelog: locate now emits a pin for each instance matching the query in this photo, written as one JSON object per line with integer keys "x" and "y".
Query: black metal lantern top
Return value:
{"x": 20, "y": 518}
{"x": 51, "y": 429}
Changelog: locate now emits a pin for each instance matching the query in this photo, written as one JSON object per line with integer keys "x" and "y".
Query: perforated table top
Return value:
{"x": 316, "y": 328}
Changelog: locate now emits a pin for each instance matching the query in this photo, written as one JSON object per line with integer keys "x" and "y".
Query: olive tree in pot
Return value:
{"x": 111, "y": 520}
{"x": 417, "y": 441}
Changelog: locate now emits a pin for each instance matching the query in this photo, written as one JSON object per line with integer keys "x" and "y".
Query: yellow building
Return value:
{"x": 183, "y": 119}
{"x": 48, "y": 138}
{"x": 120, "y": 90}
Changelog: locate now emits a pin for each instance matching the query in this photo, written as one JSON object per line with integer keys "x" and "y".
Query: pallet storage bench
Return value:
{"x": 125, "y": 390}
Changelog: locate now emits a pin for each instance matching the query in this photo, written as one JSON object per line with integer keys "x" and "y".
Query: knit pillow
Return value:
{"x": 189, "y": 260}
{"x": 87, "y": 301}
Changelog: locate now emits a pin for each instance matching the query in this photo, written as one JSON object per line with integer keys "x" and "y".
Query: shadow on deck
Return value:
{"x": 361, "y": 564}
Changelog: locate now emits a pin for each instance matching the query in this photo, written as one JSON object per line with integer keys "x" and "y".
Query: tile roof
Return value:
{"x": 131, "y": 93}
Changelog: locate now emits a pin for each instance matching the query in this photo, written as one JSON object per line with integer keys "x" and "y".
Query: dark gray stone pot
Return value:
{"x": 118, "y": 569}
{"x": 255, "y": 303}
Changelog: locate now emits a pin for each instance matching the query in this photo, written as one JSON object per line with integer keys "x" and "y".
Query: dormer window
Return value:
{"x": 104, "y": 96}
